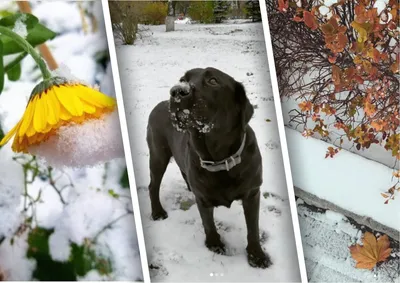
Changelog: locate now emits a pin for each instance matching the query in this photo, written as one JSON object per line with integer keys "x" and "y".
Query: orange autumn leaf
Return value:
{"x": 369, "y": 108}
{"x": 305, "y": 106}
{"x": 371, "y": 252}
{"x": 396, "y": 174}
{"x": 336, "y": 75}
{"x": 395, "y": 67}
{"x": 378, "y": 125}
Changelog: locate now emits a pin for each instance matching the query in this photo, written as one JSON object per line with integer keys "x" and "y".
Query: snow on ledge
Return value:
{"x": 347, "y": 180}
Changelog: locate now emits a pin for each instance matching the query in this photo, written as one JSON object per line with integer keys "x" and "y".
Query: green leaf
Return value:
{"x": 1, "y": 67}
{"x": 124, "y": 181}
{"x": 28, "y": 19}
{"x": 46, "y": 268}
{"x": 37, "y": 35}
{"x": 85, "y": 259}
{"x": 82, "y": 259}
{"x": 113, "y": 194}
{"x": 14, "y": 73}
{"x": 5, "y": 13}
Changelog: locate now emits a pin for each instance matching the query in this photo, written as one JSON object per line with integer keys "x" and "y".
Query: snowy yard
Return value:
{"x": 175, "y": 246}
{"x": 76, "y": 214}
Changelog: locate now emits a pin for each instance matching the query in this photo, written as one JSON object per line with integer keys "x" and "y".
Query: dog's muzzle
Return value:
{"x": 181, "y": 90}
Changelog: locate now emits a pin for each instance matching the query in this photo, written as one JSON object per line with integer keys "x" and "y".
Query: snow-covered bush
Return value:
{"x": 60, "y": 223}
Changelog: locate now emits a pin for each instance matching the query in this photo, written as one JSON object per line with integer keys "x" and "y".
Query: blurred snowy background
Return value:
{"x": 69, "y": 224}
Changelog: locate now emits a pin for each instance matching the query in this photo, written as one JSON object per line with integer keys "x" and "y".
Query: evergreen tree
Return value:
{"x": 253, "y": 10}
{"x": 220, "y": 10}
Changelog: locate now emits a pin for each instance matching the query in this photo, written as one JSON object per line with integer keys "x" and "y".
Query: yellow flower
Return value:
{"x": 55, "y": 103}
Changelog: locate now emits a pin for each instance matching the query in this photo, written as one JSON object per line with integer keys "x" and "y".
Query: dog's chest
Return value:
{"x": 219, "y": 190}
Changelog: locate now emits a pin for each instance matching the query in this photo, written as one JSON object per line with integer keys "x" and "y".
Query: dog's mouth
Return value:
{"x": 187, "y": 111}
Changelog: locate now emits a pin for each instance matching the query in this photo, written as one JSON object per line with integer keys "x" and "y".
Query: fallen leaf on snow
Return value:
{"x": 371, "y": 252}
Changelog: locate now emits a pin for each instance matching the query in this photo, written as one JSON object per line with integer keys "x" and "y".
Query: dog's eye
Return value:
{"x": 213, "y": 81}
{"x": 182, "y": 80}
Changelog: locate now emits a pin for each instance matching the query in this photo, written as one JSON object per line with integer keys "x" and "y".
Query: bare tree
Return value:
{"x": 125, "y": 17}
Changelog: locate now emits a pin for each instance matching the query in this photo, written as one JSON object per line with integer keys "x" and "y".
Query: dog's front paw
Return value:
{"x": 216, "y": 246}
{"x": 159, "y": 215}
{"x": 258, "y": 259}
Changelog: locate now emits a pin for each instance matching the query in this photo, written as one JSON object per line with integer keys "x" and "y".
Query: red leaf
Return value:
{"x": 310, "y": 21}
{"x": 283, "y": 5}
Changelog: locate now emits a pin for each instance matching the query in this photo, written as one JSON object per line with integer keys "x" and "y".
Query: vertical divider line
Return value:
{"x": 126, "y": 142}
{"x": 282, "y": 137}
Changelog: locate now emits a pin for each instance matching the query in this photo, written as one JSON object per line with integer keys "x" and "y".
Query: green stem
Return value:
{"x": 29, "y": 49}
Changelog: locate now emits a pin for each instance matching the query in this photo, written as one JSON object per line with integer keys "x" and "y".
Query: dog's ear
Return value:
{"x": 245, "y": 107}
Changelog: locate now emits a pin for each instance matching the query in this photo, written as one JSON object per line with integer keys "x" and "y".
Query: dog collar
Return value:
{"x": 226, "y": 164}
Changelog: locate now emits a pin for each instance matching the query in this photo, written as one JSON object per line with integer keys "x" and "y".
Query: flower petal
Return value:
{"x": 10, "y": 134}
{"x": 39, "y": 118}
{"x": 88, "y": 108}
{"x": 95, "y": 97}
{"x": 68, "y": 98}
{"x": 53, "y": 108}
{"x": 64, "y": 114}
{"x": 27, "y": 117}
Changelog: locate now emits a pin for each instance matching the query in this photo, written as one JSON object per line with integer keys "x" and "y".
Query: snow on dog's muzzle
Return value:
{"x": 180, "y": 90}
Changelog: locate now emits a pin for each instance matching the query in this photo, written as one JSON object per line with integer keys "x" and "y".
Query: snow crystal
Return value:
{"x": 107, "y": 82}
{"x": 183, "y": 21}
{"x": 380, "y": 5}
{"x": 64, "y": 71}
{"x": 329, "y": 3}
{"x": 59, "y": 16}
{"x": 59, "y": 246}
{"x": 79, "y": 145}
{"x": 334, "y": 216}
{"x": 20, "y": 27}
{"x": 324, "y": 10}
{"x": 93, "y": 275}
{"x": 13, "y": 260}
{"x": 76, "y": 224}
{"x": 11, "y": 186}
{"x": 184, "y": 85}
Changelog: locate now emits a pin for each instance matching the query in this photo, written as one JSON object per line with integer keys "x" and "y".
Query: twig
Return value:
{"x": 109, "y": 225}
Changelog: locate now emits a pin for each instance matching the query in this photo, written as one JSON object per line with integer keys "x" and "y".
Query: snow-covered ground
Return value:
{"x": 326, "y": 236}
{"x": 93, "y": 210}
{"x": 175, "y": 246}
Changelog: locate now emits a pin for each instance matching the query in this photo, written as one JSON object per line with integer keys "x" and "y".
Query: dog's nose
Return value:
{"x": 181, "y": 90}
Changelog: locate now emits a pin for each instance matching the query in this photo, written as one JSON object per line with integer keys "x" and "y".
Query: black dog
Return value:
{"x": 204, "y": 126}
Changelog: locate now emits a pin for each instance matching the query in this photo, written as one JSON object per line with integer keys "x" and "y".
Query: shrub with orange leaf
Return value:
{"x": 342, "y": 61}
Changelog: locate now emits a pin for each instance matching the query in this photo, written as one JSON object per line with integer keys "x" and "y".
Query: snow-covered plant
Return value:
{"x": 341, "y": 60}
{"x": 44, "y": 233}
